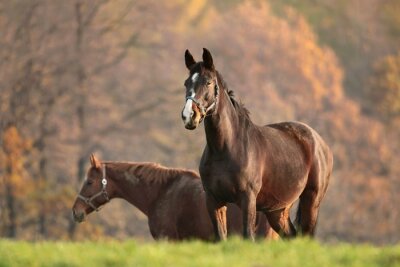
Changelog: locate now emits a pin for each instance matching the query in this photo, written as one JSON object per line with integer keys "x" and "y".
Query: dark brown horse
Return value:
{"x": 172, "y": 199}
{"x": 264, "y": 168}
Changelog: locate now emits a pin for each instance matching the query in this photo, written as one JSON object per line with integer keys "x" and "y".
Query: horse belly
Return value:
{"x": 281, "y": 191}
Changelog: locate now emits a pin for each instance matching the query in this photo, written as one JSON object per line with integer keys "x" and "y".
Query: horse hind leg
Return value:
{"x": 310, "y": 199}
{"x": 281, "y": 223}
{"x": 263, "y": 228}
{"x": 307, "y": 213}
{"x": 317, "y": 184}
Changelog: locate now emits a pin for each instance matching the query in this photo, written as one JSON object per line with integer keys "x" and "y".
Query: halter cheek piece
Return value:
{"x": 103, "y": 192}
{"x": 204, "y": 111}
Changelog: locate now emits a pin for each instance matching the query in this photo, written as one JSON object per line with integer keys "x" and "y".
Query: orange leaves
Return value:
{"x": 13, "y": 155}
{"x": 385, "y": 87}
{"x": 13, "y": 143}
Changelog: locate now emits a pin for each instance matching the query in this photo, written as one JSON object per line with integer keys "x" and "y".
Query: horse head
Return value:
{"x": 95, "y": 192}
{"x": 201, "y": 89}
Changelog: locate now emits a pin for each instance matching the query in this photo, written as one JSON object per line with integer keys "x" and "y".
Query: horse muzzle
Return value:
{"x": 190, "y": 126}
{"x": 79, "y": 216}
{"x": 192, "y": 120}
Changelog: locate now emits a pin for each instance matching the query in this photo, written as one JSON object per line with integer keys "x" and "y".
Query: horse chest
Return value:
{"x": 222, "y": 181}
{"x": 221, "y": 189}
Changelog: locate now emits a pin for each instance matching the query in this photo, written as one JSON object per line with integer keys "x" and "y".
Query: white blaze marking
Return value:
{"x": 194, "y": 77}
{"x": 188, "y": 110}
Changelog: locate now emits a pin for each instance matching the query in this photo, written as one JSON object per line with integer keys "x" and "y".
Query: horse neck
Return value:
{"x": 221, "y": 127}
{"x": 136, "y": 191}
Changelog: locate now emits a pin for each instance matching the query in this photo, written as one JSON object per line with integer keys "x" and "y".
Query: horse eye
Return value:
{"x": 208, "y": 83}
{"x": 89, "y": 182}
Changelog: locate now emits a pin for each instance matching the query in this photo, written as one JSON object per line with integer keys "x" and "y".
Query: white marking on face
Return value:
{"x": 195, "y": 76}
{"x": 188, "y": 110}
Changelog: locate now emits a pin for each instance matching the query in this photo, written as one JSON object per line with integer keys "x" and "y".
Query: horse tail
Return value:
{"x": 298, "y": 218}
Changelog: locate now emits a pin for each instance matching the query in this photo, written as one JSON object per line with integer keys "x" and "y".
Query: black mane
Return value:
{"x": 238, "y": 105}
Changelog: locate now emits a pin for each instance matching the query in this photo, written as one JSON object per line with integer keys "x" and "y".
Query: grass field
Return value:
{"x": 235, "y": 252}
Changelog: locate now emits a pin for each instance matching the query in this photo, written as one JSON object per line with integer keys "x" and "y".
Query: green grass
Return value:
{"x": 235, "y": 252}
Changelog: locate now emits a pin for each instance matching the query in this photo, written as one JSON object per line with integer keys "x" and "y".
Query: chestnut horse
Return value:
{"x": 264, "y": 168}
{"x": 172, "y": 199}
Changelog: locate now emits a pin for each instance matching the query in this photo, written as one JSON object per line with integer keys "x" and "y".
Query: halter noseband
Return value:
{"x": 204, "y": 111}
{"x": 103, "y": 192}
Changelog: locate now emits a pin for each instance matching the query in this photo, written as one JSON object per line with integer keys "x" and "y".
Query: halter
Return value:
{"x": 204, "y": 111}
{"x": 103, "y": 192}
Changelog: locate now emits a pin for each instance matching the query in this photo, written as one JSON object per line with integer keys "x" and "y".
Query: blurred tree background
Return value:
{"x": 106, "y": 77}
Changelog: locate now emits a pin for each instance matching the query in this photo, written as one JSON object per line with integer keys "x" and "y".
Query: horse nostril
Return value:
{"x": 78, "y": 217}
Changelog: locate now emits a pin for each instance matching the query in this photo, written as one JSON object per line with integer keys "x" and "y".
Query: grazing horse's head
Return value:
{"x": 201, "y": 89}
{"x": 95, "y": 191}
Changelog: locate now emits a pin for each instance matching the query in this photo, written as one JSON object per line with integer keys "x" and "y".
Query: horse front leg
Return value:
{"x": 248, "y": 205}
{"x": 217, "y": 212}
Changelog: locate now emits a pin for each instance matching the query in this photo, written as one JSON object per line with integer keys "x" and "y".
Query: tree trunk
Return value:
{"x": 80, "y": 109}
{"x": 42, "y": 208}
{"x": 11, "y": 229}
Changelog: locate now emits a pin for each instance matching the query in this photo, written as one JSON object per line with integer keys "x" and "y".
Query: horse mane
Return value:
{"x": 155, "y": 173}
{"x": 238, "y": 105}
{"x": 152, "y": 173}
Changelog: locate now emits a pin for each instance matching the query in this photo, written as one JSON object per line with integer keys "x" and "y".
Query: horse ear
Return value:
{"x": 189, "y": 60}
{"x": 207, "y": 59}
{"x": 95, "y": 162}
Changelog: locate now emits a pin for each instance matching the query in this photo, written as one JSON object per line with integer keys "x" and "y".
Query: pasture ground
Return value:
{"x": 234, "y": 252}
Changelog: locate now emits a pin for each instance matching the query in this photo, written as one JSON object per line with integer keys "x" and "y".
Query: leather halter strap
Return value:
{"x": 204, "y": 111}
{"x": 103, "y": 192}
